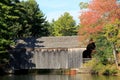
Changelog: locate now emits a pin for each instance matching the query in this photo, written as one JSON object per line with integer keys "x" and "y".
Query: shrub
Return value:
{"x": 110, "y": 70}
{"x": 99, "y": 68}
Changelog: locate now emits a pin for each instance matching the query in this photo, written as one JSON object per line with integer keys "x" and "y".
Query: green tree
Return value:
{"x": 33, "y": 21}
{"x": 20, "y": 20}
{"x": 112, "y": 33}
{"x": 104, "y": 49}
{"x": 7, "y": 19}
{"x": 64, "y": 26}
{"x": 83, "y": 5}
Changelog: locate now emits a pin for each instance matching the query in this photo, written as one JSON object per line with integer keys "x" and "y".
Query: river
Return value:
{"x": 58, "y": 77}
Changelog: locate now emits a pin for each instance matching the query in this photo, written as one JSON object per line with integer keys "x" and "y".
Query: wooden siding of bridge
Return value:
{"x": 57, "y": 58}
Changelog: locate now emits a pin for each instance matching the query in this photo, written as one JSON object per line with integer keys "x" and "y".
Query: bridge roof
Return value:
{"x": 50, "y": 42}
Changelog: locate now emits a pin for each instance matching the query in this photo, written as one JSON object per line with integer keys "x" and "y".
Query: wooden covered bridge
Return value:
{"x": 63, "y": 52}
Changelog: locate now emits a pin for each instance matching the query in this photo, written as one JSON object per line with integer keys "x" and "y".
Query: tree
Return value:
{"x": 7, "y": 18}
{"x": 99, "y": 14}
{"x": 112, "y": 33}
{"x": 33, "y": 22}
{"x": 83, "y": 5}
{"x": 64, "y": 26}
{"x": 20, "y": 20}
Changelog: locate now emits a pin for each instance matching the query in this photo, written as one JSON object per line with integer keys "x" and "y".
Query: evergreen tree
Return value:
{"x": 7, "y": 18}
{"x": 33, "y": 21}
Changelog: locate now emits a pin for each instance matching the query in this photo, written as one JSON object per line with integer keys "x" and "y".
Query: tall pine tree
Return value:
{"x": 7, "y": 18}
{"x": 33, "y": 21}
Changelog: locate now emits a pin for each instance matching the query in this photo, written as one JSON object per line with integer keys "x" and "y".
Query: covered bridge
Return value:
{"x": 47, "y": 53}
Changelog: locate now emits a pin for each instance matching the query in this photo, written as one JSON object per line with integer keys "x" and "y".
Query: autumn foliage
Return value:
{"x": 98, "y": 13}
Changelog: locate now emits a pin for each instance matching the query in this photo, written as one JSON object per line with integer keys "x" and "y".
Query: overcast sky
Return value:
{"x": 53, "y": 9}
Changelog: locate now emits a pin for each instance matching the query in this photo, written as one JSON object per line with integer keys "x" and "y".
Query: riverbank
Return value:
{"x": 95, "y": 67}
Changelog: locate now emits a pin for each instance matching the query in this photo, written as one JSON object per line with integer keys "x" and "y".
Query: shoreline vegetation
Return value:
{"x": 97, "y": 68}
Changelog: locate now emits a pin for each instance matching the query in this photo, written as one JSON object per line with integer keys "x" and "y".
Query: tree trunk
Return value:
{"x": 114, "y": 53}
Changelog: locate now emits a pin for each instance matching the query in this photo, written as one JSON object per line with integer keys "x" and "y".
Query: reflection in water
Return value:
{"x": 58, "y": 77}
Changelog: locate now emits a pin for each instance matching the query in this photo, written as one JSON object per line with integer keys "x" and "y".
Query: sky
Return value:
{"x": 53, "y": 9}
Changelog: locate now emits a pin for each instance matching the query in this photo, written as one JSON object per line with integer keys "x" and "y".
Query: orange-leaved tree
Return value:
{"x": 98, "y": 14}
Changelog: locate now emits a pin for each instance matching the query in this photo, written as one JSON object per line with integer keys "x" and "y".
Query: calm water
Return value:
{"x": 58, "y": 77}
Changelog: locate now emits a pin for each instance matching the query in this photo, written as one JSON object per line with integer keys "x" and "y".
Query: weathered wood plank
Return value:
{"x": 49, "y": 58}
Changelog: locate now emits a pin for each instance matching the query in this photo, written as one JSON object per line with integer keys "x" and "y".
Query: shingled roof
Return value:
{"x": 50, "y": 42}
